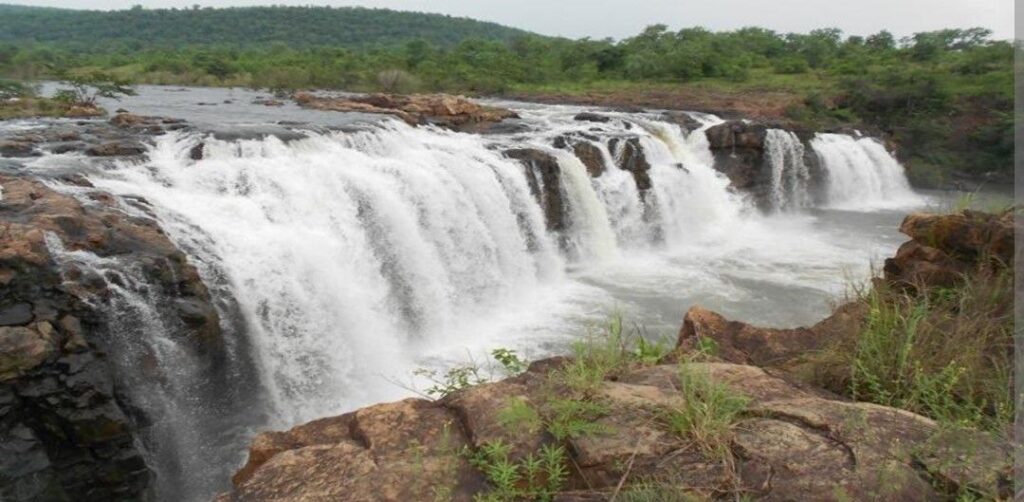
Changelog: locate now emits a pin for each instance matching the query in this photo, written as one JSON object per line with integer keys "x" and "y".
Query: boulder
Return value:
{"x": 743, "y": 343}
{"x": 682, "y": 119}
{"x": 591, "y": 117}
{"x": 945, "y": 247}
{"x": 115, "y": 149}
{"x": 18, "y": 148}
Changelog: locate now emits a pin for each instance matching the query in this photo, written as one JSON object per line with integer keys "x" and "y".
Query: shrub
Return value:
{"x": 946, "y": 353}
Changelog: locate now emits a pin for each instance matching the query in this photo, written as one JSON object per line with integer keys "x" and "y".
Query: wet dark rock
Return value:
{"x": 18, "y": 149}
{"x": 682, "y": 119}
{"x": 738, "y": 149}
{"x": 116, "y": 149}
{"x": 630, "y": 157}
{"x": 67, "y": 147}
{"x": 196, "y": 152}
{"x": 591, "y": 117}
{"x": 588, "y": 153}
{"x": 68, "y": 431}
{"x": 542, "y": 175}
{"x": 18, "y": 314}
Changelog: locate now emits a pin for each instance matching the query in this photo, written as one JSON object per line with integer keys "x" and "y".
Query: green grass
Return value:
{"x": 946, "y": 353}
{"x": 707, "y": 412}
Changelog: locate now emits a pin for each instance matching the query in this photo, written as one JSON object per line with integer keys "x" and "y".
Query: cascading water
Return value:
{"x": 350, "y": 258}
{"x": 399, "y": 233}
{"x": 194, "y": 423}
{"x": 624, "y": 207}
{"x": 691, "y": 199}
{"x": 861, "y": 174}
{"x": 790, "y": 175}
{"x": 591, "y": 234}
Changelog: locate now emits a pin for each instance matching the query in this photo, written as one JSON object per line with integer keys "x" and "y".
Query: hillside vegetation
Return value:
{"x": 944, "y": 97}
{"x": 138, "y": 28}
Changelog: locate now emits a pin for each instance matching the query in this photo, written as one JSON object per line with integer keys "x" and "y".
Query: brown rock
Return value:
{"x": 743, "y": 343}
{"x": 945, "y": 247}
{"x": 440, "y": 109}
{"x": 791, "y": 445}
{"x": 23, "y": 348}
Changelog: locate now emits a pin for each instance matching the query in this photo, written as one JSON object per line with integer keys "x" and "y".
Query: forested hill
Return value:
{"x": 139, "y": 28}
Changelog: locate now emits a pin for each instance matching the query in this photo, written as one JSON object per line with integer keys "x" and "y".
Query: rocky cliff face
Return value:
{"x": 68, "y": 430}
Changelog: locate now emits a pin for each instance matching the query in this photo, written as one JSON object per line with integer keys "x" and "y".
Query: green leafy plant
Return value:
{"x": 518, "y": 415}
{"x": 509, "y": 361}
{"x": 452, "y": 380}
{"x": 537, "y": 476}
{"x": 573, "y": 418}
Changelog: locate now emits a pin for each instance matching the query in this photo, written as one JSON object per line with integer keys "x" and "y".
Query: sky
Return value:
{"x": 619, "y": 19}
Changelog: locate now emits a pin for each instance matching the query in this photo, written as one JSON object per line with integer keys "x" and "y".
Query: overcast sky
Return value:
{"x": 619, "y": 18}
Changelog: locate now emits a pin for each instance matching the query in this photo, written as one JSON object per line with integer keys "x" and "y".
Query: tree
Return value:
{"x": 85, "y": 90}
{"x": 881, "y": 41}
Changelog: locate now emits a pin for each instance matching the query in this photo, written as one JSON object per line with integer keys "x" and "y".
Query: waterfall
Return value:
{"x": 348, "y": 256}
{"x": 344, "y": 251}
{"x": 861, "y": 174}
{"x": 591, "y": 235}
{"x": 691, "y": 199}
{"x": 790, "y": 175}
{"x": 623, "y": 204}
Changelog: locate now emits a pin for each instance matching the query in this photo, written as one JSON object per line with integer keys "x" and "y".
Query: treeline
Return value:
{"x": 946, "y": 96}
{"x": 137, "y": 28}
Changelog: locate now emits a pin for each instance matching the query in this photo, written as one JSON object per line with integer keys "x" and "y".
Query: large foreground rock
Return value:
{"x": 67, "y": 429}
{"x": 790, "y": 444}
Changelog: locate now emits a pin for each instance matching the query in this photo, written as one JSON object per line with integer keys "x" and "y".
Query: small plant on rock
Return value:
{"x": 707, "y": 412}
{"x": 538, "y": 476}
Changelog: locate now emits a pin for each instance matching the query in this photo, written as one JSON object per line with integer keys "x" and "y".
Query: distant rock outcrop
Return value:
{"x": 440, "y": 109}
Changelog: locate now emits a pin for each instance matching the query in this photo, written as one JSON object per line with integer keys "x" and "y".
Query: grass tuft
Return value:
{"x": 707, "y": 412}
